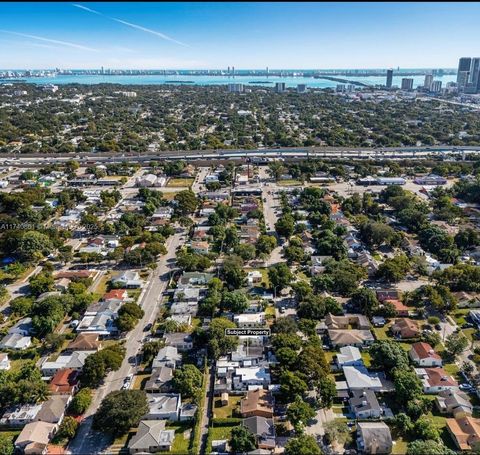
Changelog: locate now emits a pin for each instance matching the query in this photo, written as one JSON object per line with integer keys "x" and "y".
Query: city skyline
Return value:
{"x": 245, "y": 35}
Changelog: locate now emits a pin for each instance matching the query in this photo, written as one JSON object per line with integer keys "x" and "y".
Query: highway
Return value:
{"x": 38, "y": 160}
{"x": 86, "y": 440}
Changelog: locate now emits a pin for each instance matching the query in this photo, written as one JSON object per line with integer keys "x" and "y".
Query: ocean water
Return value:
{"x": 219, "y": 80}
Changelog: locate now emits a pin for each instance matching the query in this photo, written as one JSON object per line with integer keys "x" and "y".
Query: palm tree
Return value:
{"x": 276, "y": 169}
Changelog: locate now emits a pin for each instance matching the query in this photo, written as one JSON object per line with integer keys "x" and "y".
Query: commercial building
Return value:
{"x": 463, "y": 72}
{"x": 302, "y": 88}
{"x": 436, "y": 87}
{"x": 428, "y": 81}
{"x": 235, "y": 88}
{"x": 407, "y": 83}
{"x": 280, "y": 87}
{"x": 389, "y": 78}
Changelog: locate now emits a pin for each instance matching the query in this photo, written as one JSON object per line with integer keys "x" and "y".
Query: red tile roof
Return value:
{"x": 63, "y": 381}
{"x": 425, "y": 351}
{"x": 119, "y": 294}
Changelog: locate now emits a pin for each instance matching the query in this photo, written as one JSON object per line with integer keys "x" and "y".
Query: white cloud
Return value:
{"x": 54, "y": 41}
{"x": 135, "y": 26}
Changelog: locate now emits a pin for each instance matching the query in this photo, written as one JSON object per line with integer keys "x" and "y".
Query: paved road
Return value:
{"x": 207, "y": 412}
{"x": 86, "y": 440}
{"x": 269, "y": 212}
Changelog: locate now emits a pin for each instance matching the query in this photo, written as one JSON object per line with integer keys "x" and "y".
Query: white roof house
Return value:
{"x": 128, "y": 279}
{"x": 250, "y": 319}
{"x": 15, "y": 341}
{"x": 74, "y": 360}
{"x": 251, "y": 376}
{"x": 349, "y": 356}
{"x": 163, "y": 406}
{"x": 358, "y": 377}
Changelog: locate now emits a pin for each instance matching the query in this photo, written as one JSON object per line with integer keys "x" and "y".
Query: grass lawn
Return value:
{"x": 169, "y": 196}
{"x": 381, "y": 332}
{"x": 399, "y": 447}
{"x": 215, "y": 433}
{"x": 10, "y": 434}
{"x": 180, "y": 443}
{"x": 180, "y": 183}
{"x": 301, "y": 276}
{"x": 367, "y": 360}
{"x": 289, "y": 183}
{"x": 139, "y": 381}
{"x": 329, "y": 355}
{"x": 469, "y": 333}
{"x": 101, "y": 287}
{"x": 270, "y": 311}
{"x": 452, "y": 369}
{"x": 460, "y": 315}
{"x": 223, "y": 412}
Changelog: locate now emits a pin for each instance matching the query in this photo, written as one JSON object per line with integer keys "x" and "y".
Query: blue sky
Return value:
{"x": 244, "y": 35}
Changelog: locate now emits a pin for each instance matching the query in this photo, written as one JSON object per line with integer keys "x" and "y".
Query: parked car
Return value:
{"x": 148, "y": 327}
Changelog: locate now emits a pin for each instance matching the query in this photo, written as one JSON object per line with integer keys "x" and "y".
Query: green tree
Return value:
{"x": 419, "y": 447}
{"x": 6, "y": 445}
{"x": 235, "y": 301}
{"x": 326, "y": 391}
{"x": 425, "y": 429}
{"x": 67, "y": 428}
{"x": 302, "y": 445}
{"x": 233, "y": 271}
{"x": 280, "y": 276}
{"x": 188, "y": 381}
{"x": 291, "y": 385}
{"x": 299, "y": 413}
{"x": 81, "y": 401}
{"x": 34, "y": 245}
{"x": 120, "y": 410}
{"x": 266, "y": 244}
{"x": 242, "y": 439}
{"x": 365, "y": 300}
{"x": 387, "y": 355}
{"x": 187, "y": 202}
{"x": 285, "y": 226}
{"x": 394, "y": 269}
{"x": 407, "y": 385}
{"x": 456, "y": 343}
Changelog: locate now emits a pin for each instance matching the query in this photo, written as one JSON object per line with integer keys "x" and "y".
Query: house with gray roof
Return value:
{"x": 53, "y": 410}
{"x": 160, "y": 380}
{"x": 151, "y": 437}
{"x": 374, "y": 438}
{"x": 364, "y": 404}
{"x": 168, "y": 356}
{"x": 263, "y": 430}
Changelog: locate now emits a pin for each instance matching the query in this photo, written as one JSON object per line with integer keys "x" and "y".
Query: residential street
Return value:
{"x": 86, "y": 440}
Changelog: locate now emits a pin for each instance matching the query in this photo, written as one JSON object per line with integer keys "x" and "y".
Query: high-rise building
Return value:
{"x": 235, "y": 88}
{"x": 302, "y": 88}
{"x": 389, "y": 78}
{"x": 436, "y": 86}
{"x": 280, "y": 87}
{"x": 474, "y": 72}
{"x": 463, "y": 73}
{"x": 407, "y": 83}
{"x": 428, "y": 81}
